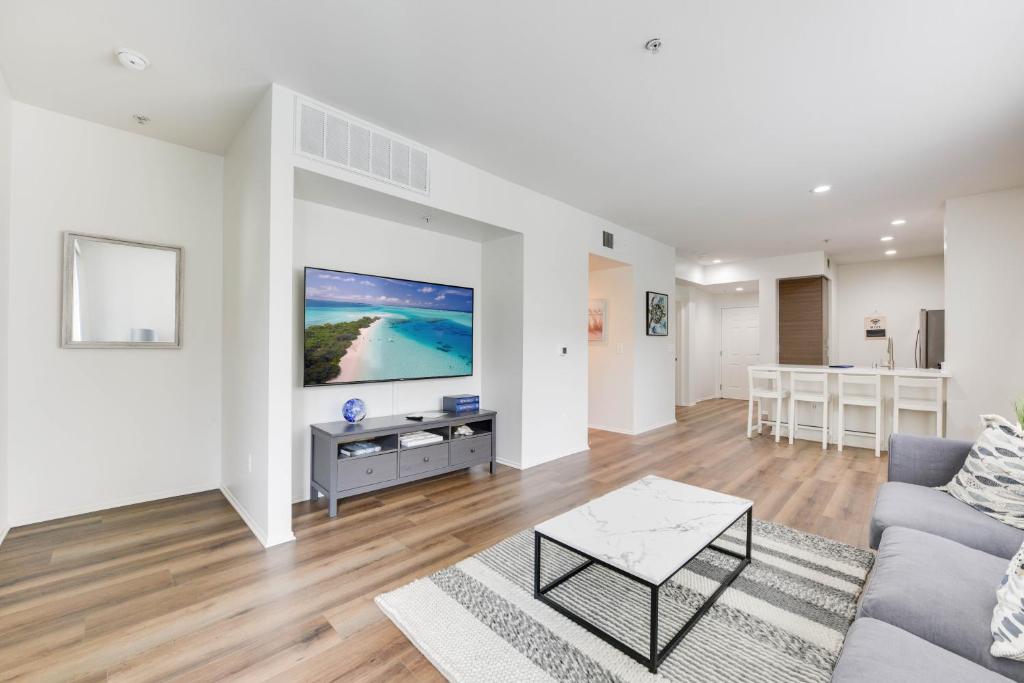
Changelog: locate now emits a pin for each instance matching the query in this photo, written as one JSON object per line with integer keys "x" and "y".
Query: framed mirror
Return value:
{"x": 120, "y": 294}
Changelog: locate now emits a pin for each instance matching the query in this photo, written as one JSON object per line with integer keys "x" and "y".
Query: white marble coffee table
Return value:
{"x": 646, "y": 531}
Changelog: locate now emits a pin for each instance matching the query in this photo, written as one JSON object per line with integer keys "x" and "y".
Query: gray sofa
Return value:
{"x": 927, "y": 606}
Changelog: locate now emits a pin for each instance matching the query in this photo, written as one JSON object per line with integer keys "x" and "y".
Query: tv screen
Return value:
{"x": 366, "y": 328}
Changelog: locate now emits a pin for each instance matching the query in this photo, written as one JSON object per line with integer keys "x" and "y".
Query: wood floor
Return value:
{"x": 179, "y": 589}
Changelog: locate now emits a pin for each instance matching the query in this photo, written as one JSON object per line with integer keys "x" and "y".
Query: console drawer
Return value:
{"x": 423, "y": 459}
{"x": 356, "y": 472}
{"x": 471, "y": 451}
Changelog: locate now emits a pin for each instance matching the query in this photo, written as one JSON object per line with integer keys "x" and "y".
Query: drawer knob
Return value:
{"x": 369, "y": 470}
{"x": 472, "y": 450}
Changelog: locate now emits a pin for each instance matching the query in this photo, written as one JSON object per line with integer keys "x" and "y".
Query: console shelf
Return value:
{"x": 336, "y": 476}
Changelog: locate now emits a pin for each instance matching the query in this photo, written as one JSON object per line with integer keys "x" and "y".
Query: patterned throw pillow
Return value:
{"x": 992, "y": 478}
{"x": 1008, "y": 614}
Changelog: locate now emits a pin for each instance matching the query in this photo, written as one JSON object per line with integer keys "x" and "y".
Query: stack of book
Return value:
{"x": 413, "y": 439}
{"x": 461, "y": 403}
{"x": 350, "y": 450}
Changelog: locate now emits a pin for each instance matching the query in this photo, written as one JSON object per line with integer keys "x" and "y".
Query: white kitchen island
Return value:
{"x": 860, "y": 421}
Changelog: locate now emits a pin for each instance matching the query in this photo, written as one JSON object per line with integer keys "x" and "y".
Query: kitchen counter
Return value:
{"x": 857, "y": 370}
{"x": 859, "y": 420}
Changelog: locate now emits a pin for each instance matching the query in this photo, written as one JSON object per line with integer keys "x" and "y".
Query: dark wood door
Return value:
{"x": 803, "y": 320}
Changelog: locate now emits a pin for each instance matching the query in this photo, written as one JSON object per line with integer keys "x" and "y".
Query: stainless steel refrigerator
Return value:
{"x": 930, "y": 347}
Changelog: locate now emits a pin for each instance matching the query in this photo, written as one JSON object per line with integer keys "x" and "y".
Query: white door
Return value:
{"x": 740, "y": 349}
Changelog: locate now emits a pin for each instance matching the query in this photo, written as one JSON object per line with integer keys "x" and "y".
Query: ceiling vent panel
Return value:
{"x": 336, "y": 143}
{"x": 399, "y": 163}
{"x": 342, "y": 140}
{"x": 419, "y": 170}
{"x": 380, "y": 156}
{"x": 311, "y": 140}
{"x": 359, "y": 138}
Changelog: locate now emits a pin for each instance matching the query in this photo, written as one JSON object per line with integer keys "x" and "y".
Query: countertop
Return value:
{"x": 857, "y": 370}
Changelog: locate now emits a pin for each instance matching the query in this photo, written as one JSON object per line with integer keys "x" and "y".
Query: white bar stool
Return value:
{"x": 813, "y": 388}
{"x": 758, "y": 392}
{"x": 932, "y": 403}
{"x": 870, "y": 400}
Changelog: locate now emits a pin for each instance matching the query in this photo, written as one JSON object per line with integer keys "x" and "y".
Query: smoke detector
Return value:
{"x": 140, "y": 119}
{"x": 130, "y": 59}
{"x": 653, "y": 45}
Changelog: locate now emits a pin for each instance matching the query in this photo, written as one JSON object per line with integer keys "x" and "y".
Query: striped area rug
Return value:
{"x": 783, "y": 619}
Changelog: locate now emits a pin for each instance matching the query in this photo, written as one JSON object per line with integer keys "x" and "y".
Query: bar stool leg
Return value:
{"x": 792, "y": 418}
{"x": 824, "y": 423}
{"x": 778, "y": 416}
{"x": 842, "y": 423}
{"x": 878, "y": 430}
{"x": 760, "y": 413}
{"x": 750, "y": 414}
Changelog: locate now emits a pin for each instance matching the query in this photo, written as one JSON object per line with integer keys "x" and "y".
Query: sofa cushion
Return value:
{"x": 876, "y": 651}
{"x": 925, "y": 509}
{"x": 938, "y": 590}
{"x": 992, "y": 477}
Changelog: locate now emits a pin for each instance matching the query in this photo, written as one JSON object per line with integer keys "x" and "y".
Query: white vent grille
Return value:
{"x": 341, "y": 141}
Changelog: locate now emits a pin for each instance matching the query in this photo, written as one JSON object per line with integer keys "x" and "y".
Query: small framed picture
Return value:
{"x": 597, "y": 313}
{"x": 657, "y": 314}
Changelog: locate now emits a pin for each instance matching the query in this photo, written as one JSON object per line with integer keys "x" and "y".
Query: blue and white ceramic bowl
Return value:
{"x": 354, "y": 410}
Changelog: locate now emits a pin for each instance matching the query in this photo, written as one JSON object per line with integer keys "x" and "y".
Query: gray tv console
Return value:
{"x": 338, "y": 477}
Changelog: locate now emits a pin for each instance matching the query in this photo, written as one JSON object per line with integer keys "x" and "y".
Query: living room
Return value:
{"x": 353, "y": 347}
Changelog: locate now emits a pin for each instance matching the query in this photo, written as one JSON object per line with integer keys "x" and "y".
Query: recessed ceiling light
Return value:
{"x": 739, "y": 289}
{"x": 130, "y": 59}
{"x": 887, "y": 238}
{"x": 140, "y": 119}
{"x": 821, "y": 189}
{"x": 899, "y": 221}
{"x": 653, "y": 45}
{"x": 717, "y": 260}
{"x": 890, "y": 252}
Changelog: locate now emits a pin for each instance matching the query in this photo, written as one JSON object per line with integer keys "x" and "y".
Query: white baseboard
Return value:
{"x": 3, "y": 534}
{"x": 657, "y": 426}
{"x": 509, "y": 463}
{"x": 256, "y": 529}
{"x": 110, "y": 504}
{"x": 614, "y": 430}
{"x": 556, "y": 457}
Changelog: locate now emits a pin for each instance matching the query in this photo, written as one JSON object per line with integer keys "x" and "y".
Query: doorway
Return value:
{"x": 611, "y": 327}
{"x": 740, "y": 349}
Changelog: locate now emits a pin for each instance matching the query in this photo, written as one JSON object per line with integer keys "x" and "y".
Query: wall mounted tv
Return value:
{"x": 367, "y": 328}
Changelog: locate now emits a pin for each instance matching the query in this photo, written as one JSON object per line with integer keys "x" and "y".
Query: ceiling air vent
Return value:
{"x": 342, "y": 140}
{"x": 608, "y": 239}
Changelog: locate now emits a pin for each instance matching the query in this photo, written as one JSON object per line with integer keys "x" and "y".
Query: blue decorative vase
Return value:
{"x": 354, "y": 410}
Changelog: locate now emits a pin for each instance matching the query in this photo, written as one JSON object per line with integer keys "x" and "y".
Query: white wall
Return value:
{"x": 328, "y": 237}
{"x": 94, "y": 429}
{"x": 984, "y": 325}
{"x": 702, "y": 352}
{"x": 557, "y": 239}
{"x": 897, "y": 289}
{"x": 610, "y": 362}
{"x": 5, "y": 263}
{"x": 244, "y": 461}
{"x": 501, "y": 386}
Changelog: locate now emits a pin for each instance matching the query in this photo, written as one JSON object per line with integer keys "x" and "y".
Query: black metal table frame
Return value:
{"x": 655, "y": 657}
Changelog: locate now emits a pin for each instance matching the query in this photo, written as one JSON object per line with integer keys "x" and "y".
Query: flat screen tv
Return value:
{"x": 367, "y": 328}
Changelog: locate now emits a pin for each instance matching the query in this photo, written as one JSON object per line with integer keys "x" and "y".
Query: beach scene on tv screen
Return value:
{"x": 364, "y": 328}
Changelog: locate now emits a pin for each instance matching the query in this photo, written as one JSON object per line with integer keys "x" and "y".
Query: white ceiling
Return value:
{"x": 710, "y": 146}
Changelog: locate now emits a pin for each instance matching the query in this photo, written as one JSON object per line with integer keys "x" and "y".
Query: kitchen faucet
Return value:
{"x": 891, "y": 360}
